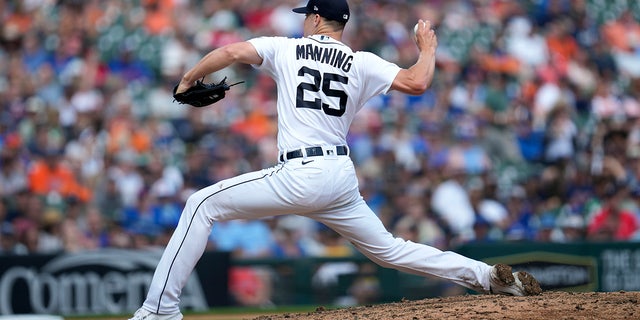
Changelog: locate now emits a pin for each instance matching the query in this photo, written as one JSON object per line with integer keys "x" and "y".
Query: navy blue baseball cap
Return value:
{"x": 337, "y": 10}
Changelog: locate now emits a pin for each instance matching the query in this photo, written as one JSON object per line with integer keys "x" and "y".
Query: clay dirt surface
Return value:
{"x": 549, "y": 305}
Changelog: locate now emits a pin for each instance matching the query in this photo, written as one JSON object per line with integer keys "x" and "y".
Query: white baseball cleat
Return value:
{"x": 504, "y": 281}
{"x": 142, "y": 314}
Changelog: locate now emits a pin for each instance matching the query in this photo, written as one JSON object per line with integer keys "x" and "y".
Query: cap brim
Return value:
{"x": 300, "y": 10}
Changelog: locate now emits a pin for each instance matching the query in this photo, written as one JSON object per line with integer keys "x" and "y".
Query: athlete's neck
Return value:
{"x": 326, "y": 29}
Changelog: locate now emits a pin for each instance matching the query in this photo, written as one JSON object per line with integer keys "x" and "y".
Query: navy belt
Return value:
{"x": 313, "y": 152}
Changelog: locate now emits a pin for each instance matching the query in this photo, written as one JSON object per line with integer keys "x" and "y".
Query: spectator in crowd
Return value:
{"x": 288, "y": 239}
{"x": 546, "y": 227}
{"x": 573, "y": 228}
{"x": 518, "y": 226}
{"x": 130, "y": 183}
{"x": 451, "y": 202}
{"x": 418, "y": 223}
{"x": 561, "y": 136}
{"x": 95, "y": 229}
{"x": 613, "y": 222}
{"x": 467, "y": 151}
{"x": 50, "y": 235}
{"x": 486, "y": 201}
{"x": 51, "y": 175}
{"x": 9, "y": 244}
{"x": 13, "y": 176}
{"x": 526, "y": 43}
{"x": 622, "y": 35}
{"x": 498, "y": 114}
{"x": 244, "y": 238}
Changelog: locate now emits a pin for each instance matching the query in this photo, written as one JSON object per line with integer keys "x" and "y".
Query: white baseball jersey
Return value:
{"x": 322, "y": 84}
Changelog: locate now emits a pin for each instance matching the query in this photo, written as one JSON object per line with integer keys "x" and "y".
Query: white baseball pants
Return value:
{"x": 325, "y": 189}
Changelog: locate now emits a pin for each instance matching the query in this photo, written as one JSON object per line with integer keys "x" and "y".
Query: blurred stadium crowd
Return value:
{"x": 530, "y": 131}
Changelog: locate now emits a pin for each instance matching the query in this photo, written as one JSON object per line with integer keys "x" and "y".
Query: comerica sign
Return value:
{"x": 100, "y": 282}
{"x": 71, "y": 293}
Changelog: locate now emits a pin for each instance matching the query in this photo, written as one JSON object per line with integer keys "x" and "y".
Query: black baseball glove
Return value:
{"x": 203, "y": 94}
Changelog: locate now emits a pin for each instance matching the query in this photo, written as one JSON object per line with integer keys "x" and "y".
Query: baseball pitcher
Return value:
{"x": 321, "y": 85}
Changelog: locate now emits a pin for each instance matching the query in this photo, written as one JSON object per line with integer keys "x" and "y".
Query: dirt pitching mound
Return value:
{"x": 547, "y": 306}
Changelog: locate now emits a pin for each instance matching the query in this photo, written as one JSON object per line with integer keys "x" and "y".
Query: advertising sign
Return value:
{"x": 108, "y": 281}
